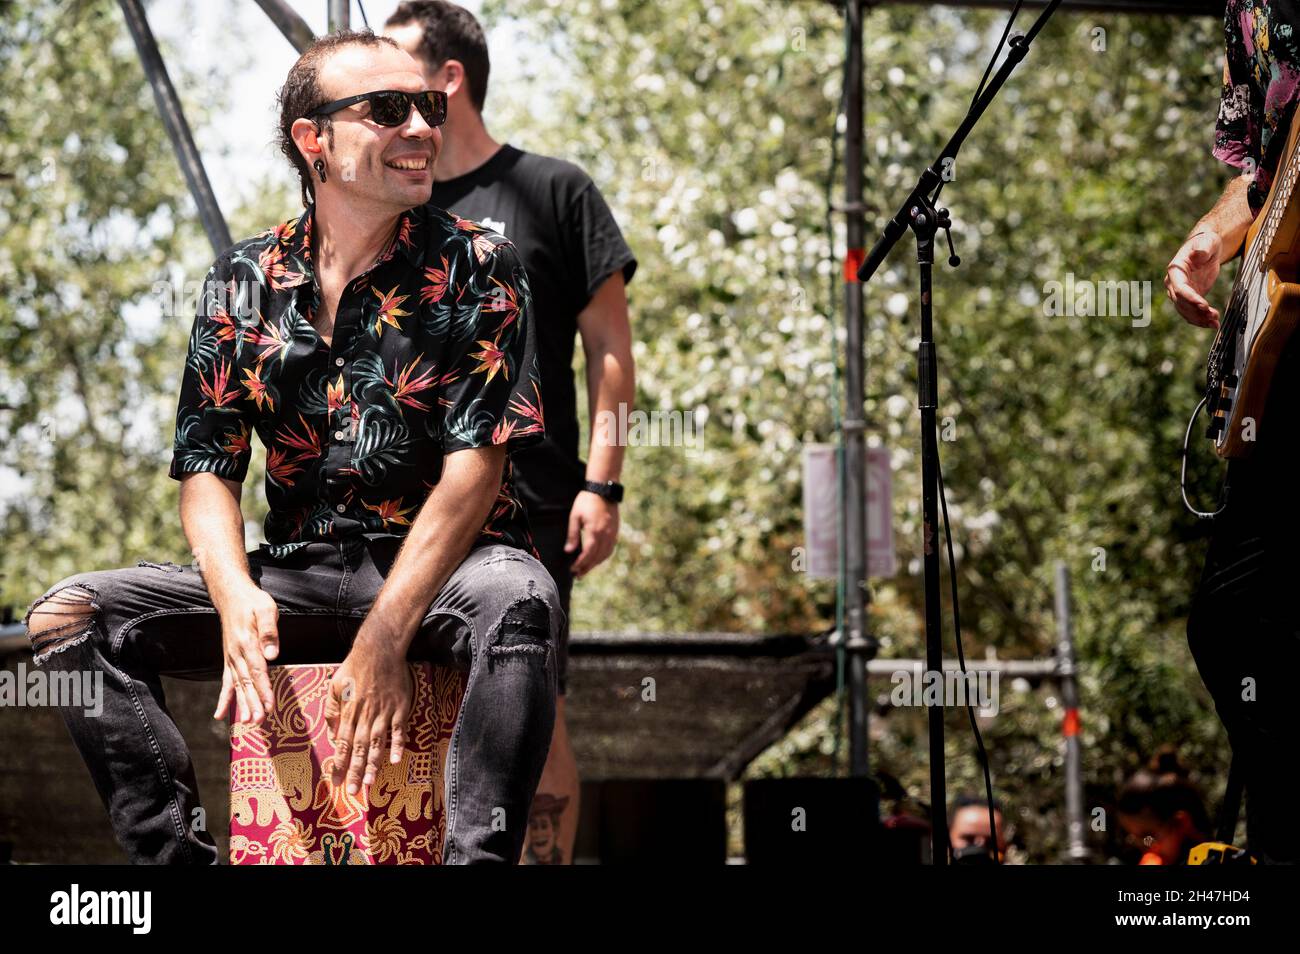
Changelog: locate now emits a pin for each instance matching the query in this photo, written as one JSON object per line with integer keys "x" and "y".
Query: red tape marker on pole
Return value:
{"x": 852, "y": 262}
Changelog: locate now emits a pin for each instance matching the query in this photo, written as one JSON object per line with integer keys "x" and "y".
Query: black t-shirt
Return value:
{"x": 569, "y": 244}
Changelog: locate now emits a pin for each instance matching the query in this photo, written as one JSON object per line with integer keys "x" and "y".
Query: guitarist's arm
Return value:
{"x": 1217, "y": 237}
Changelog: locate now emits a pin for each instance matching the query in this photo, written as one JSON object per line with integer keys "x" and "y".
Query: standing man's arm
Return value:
{"x": 1216, "y": 238}
{"x": 607, "y": 343}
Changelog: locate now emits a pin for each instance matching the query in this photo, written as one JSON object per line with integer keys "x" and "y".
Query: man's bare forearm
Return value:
{"x": 609, "y": 388}
{"x": 611, "y": 391}
{"x": 214, "y": 526}
{"x": 445, "y": 529}
{"x": 1230, "y": 218}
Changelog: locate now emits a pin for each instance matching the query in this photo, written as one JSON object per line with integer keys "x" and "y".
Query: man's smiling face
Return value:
{"x": 386, "y": 165}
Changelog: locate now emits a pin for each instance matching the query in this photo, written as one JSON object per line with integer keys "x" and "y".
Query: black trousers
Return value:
{"x": 1244, "y": 628}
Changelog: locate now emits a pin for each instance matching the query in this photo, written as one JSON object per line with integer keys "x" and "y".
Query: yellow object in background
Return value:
{"x": 1218, "y": 853}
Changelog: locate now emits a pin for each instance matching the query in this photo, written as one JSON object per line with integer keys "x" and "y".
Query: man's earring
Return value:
{"x": 319, "y": 166}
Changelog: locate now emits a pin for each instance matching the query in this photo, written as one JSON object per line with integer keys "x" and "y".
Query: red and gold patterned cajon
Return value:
{"x": 285, "y": 811}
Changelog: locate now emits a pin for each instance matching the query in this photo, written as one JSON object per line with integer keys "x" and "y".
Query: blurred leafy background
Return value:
{"x": 707, "y": 125}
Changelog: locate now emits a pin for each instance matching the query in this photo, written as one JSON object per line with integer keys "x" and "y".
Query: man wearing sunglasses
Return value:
{"x": 383, "y": 351}
{"x": 578, "y": 265}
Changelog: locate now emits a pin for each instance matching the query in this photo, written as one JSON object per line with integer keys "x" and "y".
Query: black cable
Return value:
{"x": 961, "y": 658}
{"x": 362, "y": 7}
{"x": 1006, "y": 31}
{"x": 997, "y": 51}
{"x": 943, "y": 501}
{"x": 952, "y": 575}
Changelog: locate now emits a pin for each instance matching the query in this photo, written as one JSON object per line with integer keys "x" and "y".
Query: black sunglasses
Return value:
{"x": 390, "y": 107}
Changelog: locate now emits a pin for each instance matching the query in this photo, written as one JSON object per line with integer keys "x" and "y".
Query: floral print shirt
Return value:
{"x": 1260, "y": 79}
{"x": 433, "y": 351}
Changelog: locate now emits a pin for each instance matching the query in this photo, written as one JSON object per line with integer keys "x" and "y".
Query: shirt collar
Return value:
{"x": 294, "y": 239}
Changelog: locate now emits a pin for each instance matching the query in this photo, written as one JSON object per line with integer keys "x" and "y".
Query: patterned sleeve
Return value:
{"x": 491, "y": 390}
{"x": 1236, "y": 134}
{"x": 213, "y": 427}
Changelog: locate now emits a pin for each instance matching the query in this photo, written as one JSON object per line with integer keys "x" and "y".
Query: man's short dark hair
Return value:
{"x": 971, "y": 800}
{"x": 1165, "y": 788}
{"x": 301, "y": 93}
{"x": 449, "y": 32}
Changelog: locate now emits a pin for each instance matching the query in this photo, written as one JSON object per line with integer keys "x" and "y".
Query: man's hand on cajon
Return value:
{"x": 250, "y": 637}
{"x": 369, "y": 700}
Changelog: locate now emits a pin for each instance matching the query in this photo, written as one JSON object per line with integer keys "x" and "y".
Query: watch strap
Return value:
{"x": 611, "y": 490}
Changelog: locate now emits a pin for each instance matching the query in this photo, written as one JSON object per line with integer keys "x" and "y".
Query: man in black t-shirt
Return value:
{"x": 578, "y": 265}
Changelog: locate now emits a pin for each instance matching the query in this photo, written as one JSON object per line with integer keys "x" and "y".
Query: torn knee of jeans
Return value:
{"x": 501, "y": 561}
{"x": 61, "y": 620}
{"x": 168, "y": 567}
{"x": 524, "y": 629}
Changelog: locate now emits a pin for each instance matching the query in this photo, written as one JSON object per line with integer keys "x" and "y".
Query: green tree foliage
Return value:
{"x": 708, "y": 126}
{"x": 93, "y": 211}
{"x": 98, "y": 238}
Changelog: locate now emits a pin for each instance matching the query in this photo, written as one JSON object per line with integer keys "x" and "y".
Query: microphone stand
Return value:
{"x": 925, "y": 220}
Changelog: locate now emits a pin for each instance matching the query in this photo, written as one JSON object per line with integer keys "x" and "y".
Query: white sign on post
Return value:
{"x": 822, "y": 519}
{"x": 881, "y": 560}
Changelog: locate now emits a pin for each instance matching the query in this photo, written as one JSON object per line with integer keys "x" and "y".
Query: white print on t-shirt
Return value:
{"x": 494, "y": 225}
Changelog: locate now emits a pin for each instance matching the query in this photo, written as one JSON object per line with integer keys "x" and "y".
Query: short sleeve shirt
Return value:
{"x": 433, "y": 351}
{"x": 1261, "y": 78}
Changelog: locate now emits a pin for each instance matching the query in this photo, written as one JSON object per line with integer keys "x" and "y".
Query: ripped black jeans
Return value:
{"x": 497, "y": 617}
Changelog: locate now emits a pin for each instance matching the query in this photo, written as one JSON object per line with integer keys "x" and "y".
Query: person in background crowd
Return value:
{"x": 1163, "y": 812}
{"x": 968, "y": 828}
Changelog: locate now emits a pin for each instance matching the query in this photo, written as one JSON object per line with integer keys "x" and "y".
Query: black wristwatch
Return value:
{"x": 611, "y": 490}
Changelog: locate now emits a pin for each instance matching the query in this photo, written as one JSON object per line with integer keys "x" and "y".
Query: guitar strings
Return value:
{"x": 1250, "y": 269}
{"x": 1248, "y": 278}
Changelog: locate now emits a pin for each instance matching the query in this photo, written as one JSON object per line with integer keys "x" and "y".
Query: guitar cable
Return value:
{"x": 1182, "y": 480}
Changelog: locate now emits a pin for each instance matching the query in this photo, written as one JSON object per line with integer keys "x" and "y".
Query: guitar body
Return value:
{"x": 1260, "y": 318}
{"x": 1275, "y": 331}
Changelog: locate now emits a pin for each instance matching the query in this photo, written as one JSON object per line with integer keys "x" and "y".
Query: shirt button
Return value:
{"x": 338, "y": 435}
{"x": 339, "y": 362}
{"x": 341, "y": 507}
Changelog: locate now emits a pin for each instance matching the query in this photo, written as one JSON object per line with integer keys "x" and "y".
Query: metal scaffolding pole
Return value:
{"x": 339, "y": 13}
{"x": 294, "y": 27}
{"x": 1077, "y": 850}
{"x": 178, "y": 130}
{"x": 859, "y": 646}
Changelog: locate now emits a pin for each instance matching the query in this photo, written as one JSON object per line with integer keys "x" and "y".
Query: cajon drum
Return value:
{"x": 284, "y": 809}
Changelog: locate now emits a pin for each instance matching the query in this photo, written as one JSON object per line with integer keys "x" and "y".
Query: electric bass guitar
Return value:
{"x": 1260, "y": 317}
